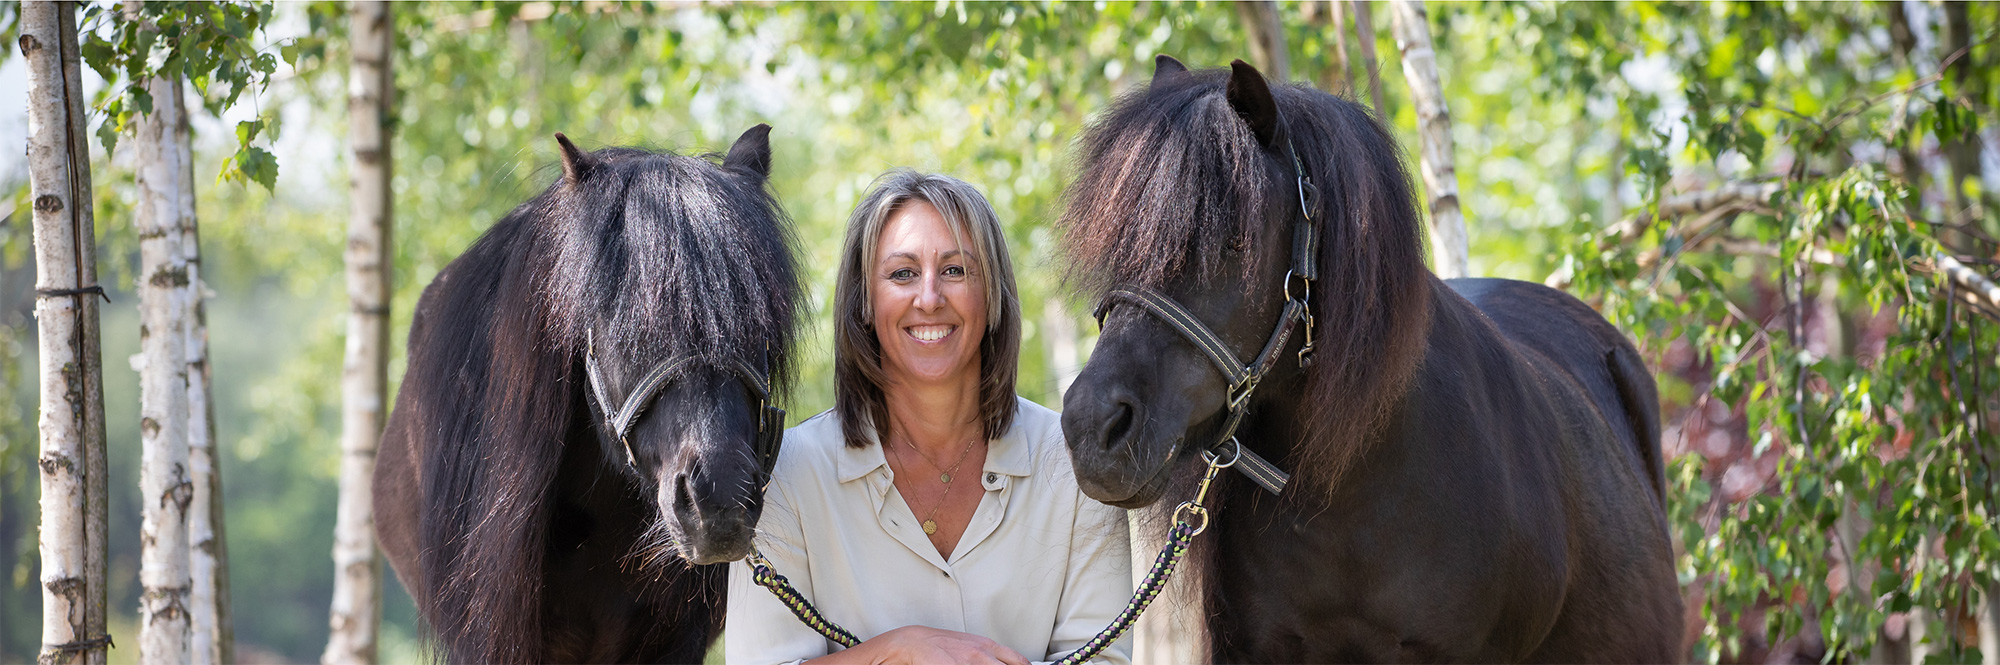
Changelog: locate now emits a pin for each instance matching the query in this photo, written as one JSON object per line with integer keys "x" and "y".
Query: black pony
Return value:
{"x": 1476, "y": 463}
{"x": 526, "y": 527}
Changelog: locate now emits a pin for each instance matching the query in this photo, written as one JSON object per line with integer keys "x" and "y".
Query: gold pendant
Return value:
{"x": 930, "y": 527}
{"x": 946, "y": 477}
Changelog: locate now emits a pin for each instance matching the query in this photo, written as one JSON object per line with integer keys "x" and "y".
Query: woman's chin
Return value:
{"x": 935, "y": 371}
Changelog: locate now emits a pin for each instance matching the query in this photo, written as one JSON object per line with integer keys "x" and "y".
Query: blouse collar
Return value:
{"x": 1009, "y": 455}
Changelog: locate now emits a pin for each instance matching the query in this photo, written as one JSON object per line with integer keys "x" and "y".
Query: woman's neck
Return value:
{"x": 935, "y": 418}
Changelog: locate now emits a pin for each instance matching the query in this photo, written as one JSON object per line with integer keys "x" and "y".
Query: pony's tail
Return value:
{"x": 1639, "y": 396}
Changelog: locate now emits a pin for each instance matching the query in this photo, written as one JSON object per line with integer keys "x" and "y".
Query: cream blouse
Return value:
{"x": 1041, "y": 567}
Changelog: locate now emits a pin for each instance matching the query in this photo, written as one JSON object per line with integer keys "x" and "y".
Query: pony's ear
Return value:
{"x": 574, "y": 162}
{"x": 1165, "y": 67}
{"x": 752, "y": 152}
{"x": 1251, "y": 97}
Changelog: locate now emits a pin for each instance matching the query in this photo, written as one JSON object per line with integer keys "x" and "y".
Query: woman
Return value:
{"x": 931, "y": 512}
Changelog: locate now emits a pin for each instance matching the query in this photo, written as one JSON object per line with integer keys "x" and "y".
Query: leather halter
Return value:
{"x": 770, "y": 418}
{"x": 1243, "y": 377}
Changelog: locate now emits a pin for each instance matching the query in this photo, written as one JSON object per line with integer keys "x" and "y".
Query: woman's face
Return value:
{"x": 930, "y": 305}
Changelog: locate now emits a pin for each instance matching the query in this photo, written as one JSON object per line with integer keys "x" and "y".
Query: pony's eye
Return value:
{"x": 1238, "y": 244}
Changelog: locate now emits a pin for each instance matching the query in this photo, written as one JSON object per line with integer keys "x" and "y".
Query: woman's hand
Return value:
{"x": 923, "y": 645}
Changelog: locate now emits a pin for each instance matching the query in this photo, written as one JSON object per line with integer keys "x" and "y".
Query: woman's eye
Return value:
{"x": 903, "y": 274}
{"x": 954, "y": 271}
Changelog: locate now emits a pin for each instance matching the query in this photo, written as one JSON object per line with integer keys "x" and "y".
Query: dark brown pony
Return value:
{"x": 1476, "y": 467}
{"x": 512, "y": 514}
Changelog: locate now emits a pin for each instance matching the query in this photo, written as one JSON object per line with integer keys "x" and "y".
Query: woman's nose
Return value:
{"x": 931, "y": 295}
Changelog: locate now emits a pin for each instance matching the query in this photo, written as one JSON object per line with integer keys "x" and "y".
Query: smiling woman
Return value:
{"x": 868, "y": 513}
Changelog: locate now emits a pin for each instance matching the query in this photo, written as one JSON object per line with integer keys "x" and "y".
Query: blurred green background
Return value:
{"x": 1566, "y": 118}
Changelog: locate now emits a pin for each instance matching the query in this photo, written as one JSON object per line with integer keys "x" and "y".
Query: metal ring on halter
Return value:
{"x": 1235, "y": 453}
{"x": 1191, "y": 509}
{"x": 1303, "y": 297}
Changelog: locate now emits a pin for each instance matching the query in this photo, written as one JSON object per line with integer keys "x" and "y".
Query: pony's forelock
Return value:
{"x": 1169, "y": 177}
{"x": 664, "y": 254}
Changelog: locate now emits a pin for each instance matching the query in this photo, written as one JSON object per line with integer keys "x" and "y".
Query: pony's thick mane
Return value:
{"x": 1170, "y": 177}
{"x": 672, "y": 255}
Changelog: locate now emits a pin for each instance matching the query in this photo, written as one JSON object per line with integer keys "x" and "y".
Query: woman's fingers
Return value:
{"x": 1008, "y": 656}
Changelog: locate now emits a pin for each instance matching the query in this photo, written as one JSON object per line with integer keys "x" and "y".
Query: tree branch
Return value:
{"x": 1977, "y": 289}
{"x": 1714, "y": 205}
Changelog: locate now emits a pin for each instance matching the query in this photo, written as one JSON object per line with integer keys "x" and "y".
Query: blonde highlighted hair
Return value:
{"x": 857, "y": 353}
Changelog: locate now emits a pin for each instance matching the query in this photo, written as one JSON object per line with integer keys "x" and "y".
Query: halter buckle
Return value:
{"x": 1240, "y": 393}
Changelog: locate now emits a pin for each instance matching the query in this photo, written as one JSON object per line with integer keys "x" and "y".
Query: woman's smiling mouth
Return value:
{"x": 930, "y": 334}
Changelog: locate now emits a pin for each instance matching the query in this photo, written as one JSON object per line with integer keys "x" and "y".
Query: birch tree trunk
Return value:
{"x": 71, "y": 407}
{"x": 357, "y": 603}
{"x": 1364, "y": 33}
{"x": 166, "y": 492}
{"x": 1340, "y": 78}
{"x": 1413, "y": 37}
{"x": 1962, "y": 153}
{"x": 208, "y": 554}
{"x": 1267, "y": 38}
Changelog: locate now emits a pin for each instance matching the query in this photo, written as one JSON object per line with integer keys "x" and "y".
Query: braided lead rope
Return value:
{"x": 1149, "y": 588}
{"x": 1183, "y": 532}
{"x": 762, "y": 573}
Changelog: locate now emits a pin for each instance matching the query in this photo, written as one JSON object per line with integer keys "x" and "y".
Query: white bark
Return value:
{"x": 208, "y": 555}
{"x": 161, "y": 169}
{"x": 357, "y": 604}
{"x": 71, "y": 421}
{"x": 1413, "y": 37}
{"x": 1989, "y": 625}
{"x": 1267, "y": 37}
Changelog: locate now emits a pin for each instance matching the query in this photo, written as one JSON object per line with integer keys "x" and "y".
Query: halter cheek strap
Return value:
{"x": 1243, "y": 378}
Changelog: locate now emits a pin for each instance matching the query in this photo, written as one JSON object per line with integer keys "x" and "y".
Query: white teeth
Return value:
{"x": 930, "y": 333}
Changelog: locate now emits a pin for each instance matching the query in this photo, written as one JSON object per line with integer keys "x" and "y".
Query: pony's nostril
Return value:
{"x": 683, "y": 495}
{"x": 1120, "y": 425}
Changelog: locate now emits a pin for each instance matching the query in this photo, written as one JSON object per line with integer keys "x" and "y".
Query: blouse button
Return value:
{"x": 992, "y": 477}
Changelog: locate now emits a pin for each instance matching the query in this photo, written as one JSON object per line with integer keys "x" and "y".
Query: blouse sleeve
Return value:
{"x": 758, "y": 629}
{"x": 1099, "y": 582}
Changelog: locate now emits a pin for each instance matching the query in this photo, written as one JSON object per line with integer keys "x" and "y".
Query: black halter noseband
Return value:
{"x": 1244, "y": 377}
{"x": 770, "y": 418}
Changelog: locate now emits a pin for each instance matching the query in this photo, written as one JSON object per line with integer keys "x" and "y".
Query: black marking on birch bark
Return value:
{"x": 48, "y": 203}
{"x": 169, "y": 278}
{"x": 73, "y": 389}
{"x": 29, "y": 45}
{"x": 181, "y": 493}
{"x": 55, "y": 462}
{"x": 149, "y": 427}
{"x": 175, "y": 605}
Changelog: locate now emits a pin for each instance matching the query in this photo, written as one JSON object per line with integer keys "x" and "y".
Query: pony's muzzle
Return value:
{"x": 715, "y": 517}
{"x": 1106, "y": 433}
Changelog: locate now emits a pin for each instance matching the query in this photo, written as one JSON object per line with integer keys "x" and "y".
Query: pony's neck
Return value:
{"x": 1331, "y": 414}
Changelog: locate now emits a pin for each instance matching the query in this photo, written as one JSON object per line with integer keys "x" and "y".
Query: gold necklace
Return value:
{"x": 944, "y": 474}
{"x": 929, "y": 523}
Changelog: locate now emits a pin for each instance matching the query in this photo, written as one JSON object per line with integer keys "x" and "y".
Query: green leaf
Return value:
{"x": 246, "y": 131}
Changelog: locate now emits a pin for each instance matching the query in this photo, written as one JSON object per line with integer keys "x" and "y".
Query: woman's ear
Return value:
{"x": 752, "y": 152}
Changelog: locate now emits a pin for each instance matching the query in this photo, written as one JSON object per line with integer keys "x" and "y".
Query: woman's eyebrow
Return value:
{"x": 911, "y": 256}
